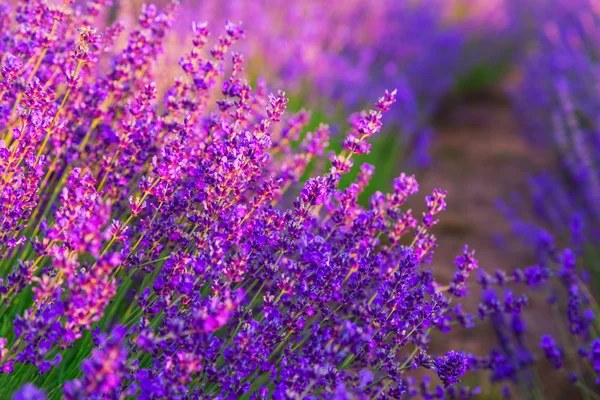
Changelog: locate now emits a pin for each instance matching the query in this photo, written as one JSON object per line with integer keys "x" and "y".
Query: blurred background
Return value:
{"x": 498, "y": 104}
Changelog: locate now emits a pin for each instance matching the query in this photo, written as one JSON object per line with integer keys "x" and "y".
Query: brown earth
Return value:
{"x": 479, "y": 156}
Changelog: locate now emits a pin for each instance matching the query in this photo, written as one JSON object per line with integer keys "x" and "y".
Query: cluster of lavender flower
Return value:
{"x": 420, "y": 47}
{"x": 153, "y": 247}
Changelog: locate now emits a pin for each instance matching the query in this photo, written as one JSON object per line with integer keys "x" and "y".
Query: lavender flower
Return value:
{"x": 552, "y": 352}
{"x": 465, "y": 264}
{"x": 451, "y": 367}
{"x": 103, "y": 371}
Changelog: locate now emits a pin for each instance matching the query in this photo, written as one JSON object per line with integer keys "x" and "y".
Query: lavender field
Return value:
{"x": 275, "y": 199}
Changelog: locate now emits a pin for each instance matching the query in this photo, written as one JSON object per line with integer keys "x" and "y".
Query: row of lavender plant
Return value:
{"x": 148, "y": 246}
{"x": 557, "y": 106}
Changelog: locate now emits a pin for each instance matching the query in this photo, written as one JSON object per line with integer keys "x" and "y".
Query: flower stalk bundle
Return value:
{"x": 149, "y": 245}
{"x": 317, "y": 49}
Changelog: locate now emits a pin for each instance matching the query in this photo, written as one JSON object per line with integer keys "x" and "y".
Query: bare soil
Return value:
{"x": 479, "y": 156}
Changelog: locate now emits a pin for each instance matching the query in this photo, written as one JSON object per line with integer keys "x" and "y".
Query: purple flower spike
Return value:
{"x": 29, "y": 392}
{"x": 451, "y": 367}
{"x": 552, "y": 352}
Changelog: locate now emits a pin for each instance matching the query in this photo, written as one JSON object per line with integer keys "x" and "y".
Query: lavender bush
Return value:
{"x": 153, "y": 247}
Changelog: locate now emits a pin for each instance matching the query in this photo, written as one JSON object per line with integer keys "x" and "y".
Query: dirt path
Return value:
{"x": 479, "y": 157}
